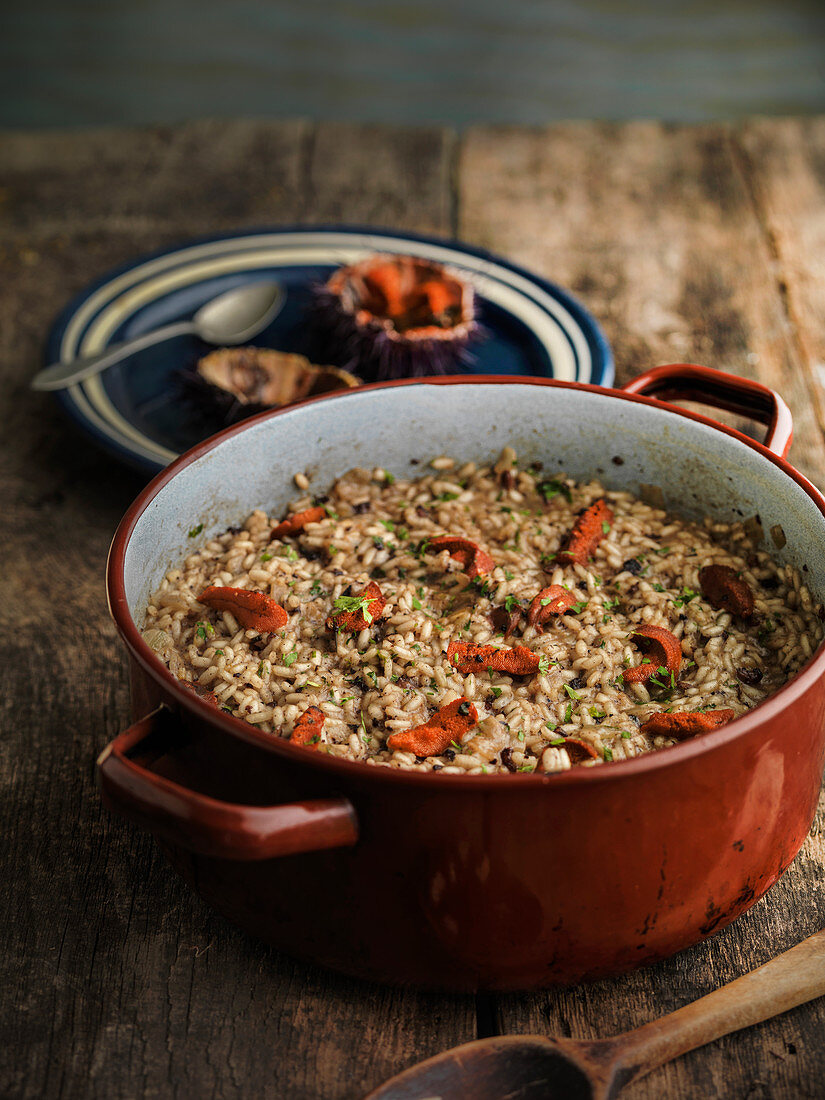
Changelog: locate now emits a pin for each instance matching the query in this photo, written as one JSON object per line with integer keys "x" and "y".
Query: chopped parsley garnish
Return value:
{"x": 316, "y": 590}
{"x": 291, "y": 658}
{"x": 687, "y": 595}
{"x": 552, "y": 487}
{"x": 625, "y": 735}
{"x": 658, "y": 587}
{"x": 511, "y": 603}
{"x": 520, "y": 735}
{"x": 558, "y": 741}
{"x": 417, "y": 605}
{"x": 266, "y": 556}
{"x": 508, "y": 576}
{"x": 573, "y": 694}
{"x": 219, "y": 653}
{"x": 389, "y": 478}
{"x": 196, "y": 531}
{"x": 605, "y": 527}
{"x": 577, "y": 608}
{"x": 544, "y": 664}
{"x": 662, "y": 550}
{"x": 204, "y": 629}
{"x": 596, "y": 712}
{"x": 568, "y": 712}
{"x": 345, "y": 604}
{"x": 607, "y": 753}
{"x": 261, "y": 668}
{"x": 446, "y": 496}
{"x": 496, "y": 691}
{"x": 292, "y": 555}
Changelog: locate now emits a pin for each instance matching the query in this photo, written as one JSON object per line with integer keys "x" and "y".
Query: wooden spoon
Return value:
{"x": 531, "y": 1067}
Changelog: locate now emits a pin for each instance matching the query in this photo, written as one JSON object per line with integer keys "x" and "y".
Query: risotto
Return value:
{"x": 482, "y": 619}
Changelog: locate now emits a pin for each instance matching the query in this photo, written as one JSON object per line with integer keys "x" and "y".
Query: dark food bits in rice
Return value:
{"x": 394, "y": 674}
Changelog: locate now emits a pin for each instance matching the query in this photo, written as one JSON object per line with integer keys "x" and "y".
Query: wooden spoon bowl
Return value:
{"x": 531, "y": 1067}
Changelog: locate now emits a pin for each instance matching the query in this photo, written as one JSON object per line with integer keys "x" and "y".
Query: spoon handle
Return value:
{"x": 60, "y": 375}
{"x": 789, "y": 980}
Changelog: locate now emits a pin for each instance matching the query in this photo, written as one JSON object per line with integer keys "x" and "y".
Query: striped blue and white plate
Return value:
{"x": 133, "y": 409}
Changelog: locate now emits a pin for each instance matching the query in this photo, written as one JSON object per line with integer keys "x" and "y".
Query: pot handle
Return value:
{"x": 205, "y": 825}
{"x": 689, "y": 382}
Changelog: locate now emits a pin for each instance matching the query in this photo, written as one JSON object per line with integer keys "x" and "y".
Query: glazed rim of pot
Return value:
{"x": 759, "y": 716}
{"x": 410, "y": 299}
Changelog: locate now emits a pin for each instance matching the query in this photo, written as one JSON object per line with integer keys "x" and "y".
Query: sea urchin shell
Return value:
{"x": 396, "y": 316}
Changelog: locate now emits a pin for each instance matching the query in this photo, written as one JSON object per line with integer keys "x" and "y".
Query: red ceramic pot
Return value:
{"x": 466, "y": 882}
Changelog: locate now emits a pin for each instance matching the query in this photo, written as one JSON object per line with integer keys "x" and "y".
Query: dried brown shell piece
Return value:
{"x": 268, "y": 378}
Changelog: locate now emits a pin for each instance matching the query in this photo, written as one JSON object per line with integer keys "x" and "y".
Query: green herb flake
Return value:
{"x": 219, "y": 653}
{"x": 577, "y": 608}
{"x": 417, "y": 605}
{"x": 195, "y": 531}
{"x": 291, "y": 658}
{"x": 573, "y": 694}
{"x": 605, "y": 527}
{"x": 568, "y": 712}
{"x": 346, "y": 604}
{"x": 607, "y": 753}
{"x": 508, "y": 576}
{"x": 520, "y": 735}
{"x": 552, "y": 487}
{"x": 687, "y": 595}
{"x": 266, "y": 556}
{"x": 658, "y": 587}
{"x": 558, "y": 741}
{"x": 204, "y": 630}
{"x": 389, "y": 478}
{"x": 625, "y": 735}
{"x": 261, "y": 668}
{"x": 544, "y": 664}
{"x": 496, "y": 692}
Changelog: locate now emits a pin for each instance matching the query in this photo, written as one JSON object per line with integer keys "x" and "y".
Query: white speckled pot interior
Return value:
{"x": 583, "y": 431}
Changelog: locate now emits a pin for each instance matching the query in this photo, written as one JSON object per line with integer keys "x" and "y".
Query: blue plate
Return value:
{"x": 134, "y": 409}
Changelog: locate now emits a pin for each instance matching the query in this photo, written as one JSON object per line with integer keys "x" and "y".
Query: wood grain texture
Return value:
{"x": 661, "y": 231}
{"x": 687, "y": 244}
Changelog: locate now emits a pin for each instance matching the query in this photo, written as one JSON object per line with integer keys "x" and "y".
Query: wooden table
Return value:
{"x": 699, "y": 244}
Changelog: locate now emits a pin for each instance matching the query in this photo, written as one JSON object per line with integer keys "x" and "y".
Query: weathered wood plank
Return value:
{"x": 785, "y": 164}
{"x": 655, "y": 228}
{"x": 119, "y": 982}
{"x": 189, "y": 180}
{"x": 381, "y": 176}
